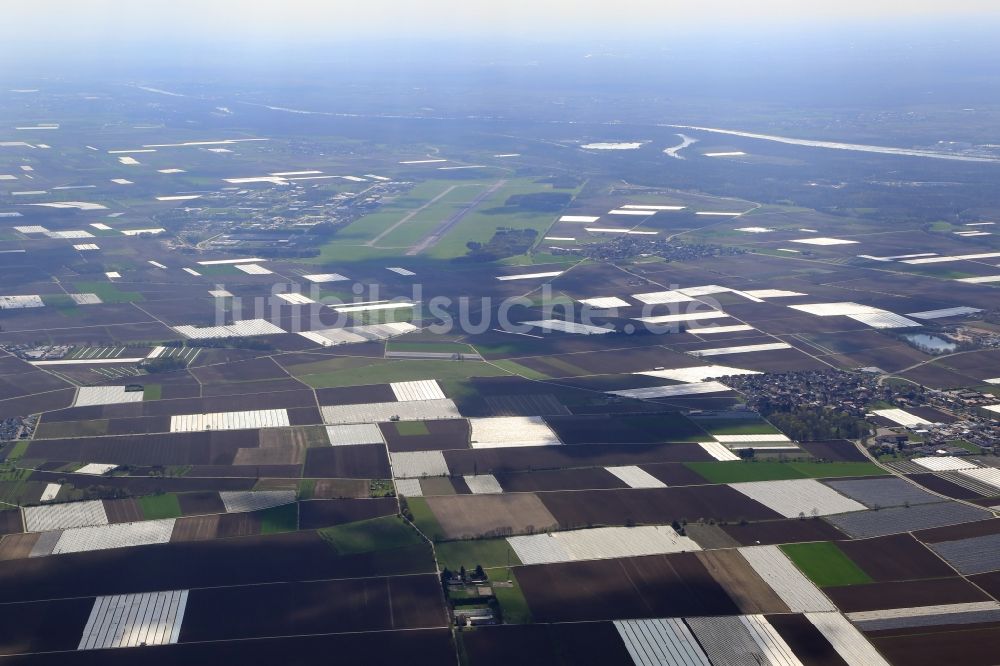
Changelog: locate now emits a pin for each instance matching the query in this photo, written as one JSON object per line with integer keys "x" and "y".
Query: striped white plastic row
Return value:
{"x": 133, "y": 620}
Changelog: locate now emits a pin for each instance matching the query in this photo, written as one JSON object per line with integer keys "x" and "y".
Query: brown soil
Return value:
{"x": 473, "y": 515}
{"x": 748, "y": 590}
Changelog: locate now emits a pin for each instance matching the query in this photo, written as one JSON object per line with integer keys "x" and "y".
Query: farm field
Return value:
{"x": 664, "y": 586}
{"x": 476, "y": 356}
{"x": 733, "y": 472}
{"x": 825, "y": 564}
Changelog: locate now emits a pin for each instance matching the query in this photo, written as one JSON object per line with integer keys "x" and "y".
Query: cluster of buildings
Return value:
{"x": 850, "y": 392}
{"x": 38, "y": 352}
{"x": 628, "y": 247}
{"x": 972, "y": 336}
{"x": 470, "y": 597}
{"x": 855, "y": 392}
{"x": 277, "y": 216}
{"x": 17, "y": 427}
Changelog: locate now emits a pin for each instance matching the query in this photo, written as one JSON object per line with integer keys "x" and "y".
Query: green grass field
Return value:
{"x": 55, "y": 429}
{"x": 818, "y": 470}
{"x": 218, "y": 270}
{"x": 489, "y": 553}
{"x": 14, "y": 491}
{"x": 968, "y": 446}
{"x": 152, "y": 391}
{"x": 60, "y": 302}
{"x": 284, "y": 518}
{"x": 18, "y": 450}
{"x": 424, "y": 518}
{"x": 736, "y": 426}
{"x": 411, "y": 428}
{"x": 518, "y": 369}
{"x": 482, "y": 222}
{"x": 367, "y": 536}
{"x": 371, "y": 226}
{"x": 107, "y": 292}
{"x": 423, "y": 223}
{"x": 433, "y": 347}
{"x": 10, "y": 473}
{"x": 350, "y": 245}
{"x": 825, "y": 564}
{"x": 306, "y": 489}
{"x": 380, "y": 371}
{"x": 512, "y": 601}
{"x": 735, "y": 472}
{"x": 160, "y": 506}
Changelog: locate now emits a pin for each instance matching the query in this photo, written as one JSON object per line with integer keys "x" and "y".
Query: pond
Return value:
{"x": 930, "y": 343}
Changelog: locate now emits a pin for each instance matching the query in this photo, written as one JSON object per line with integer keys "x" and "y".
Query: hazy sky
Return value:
{"x": 131, "y": 20}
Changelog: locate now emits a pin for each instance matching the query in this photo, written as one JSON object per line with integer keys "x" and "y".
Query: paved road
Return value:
{"x": 442, "y": 229}
{"x": 409, "y": 216}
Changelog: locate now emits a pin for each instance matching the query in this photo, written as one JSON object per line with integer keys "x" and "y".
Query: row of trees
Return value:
{"x": 813, "y": 424}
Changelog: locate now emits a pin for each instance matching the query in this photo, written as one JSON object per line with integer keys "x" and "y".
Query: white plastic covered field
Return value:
{"x": 718, "y": 451}
{"x": 684, "y": 317}
{"x": 96, "y": 469}
{"x": 326, "y": 277}
{"x": 133, "y": 620}
{"x": 408, "y": 487}
{"x": 351, "y": 435}
{"x": 665, "y": 641}
{"x": 330, "y": 337}
{"x": 740, "y": 640}
{"x": 652, "y": 392}
{"x": 64, "y": 516}
{"x": 662, "y": 297}
{"x": 19, "y": 302}
{"x": 511, "y": 431}
{"x": 416, "y": 464}
{"x": 600, "y": 543}
{"x": 698, "y": 373}
{"x": 249, "y": 420}
{"x": 253, "y": 269}
{"x": 709, "y": 330}
{"x": 636, "y": 477}
{"x": 605, "y": 302}
{"x": 901, "y": 417}
{"x": 483, "y": 484}
{"x": 562, "y": 326}
{"x": 529, "y": 276}
{"x": 866, "y": 314}
{"x": 796, "y": 497}
{"x": 944, "y": 463}
{"x": 825, "y": 241}
{"x": 296, "y": 299}
{"x": 742, "y": 349}
{"x": 243, "y": 501}
{"x": 427, "y": 389}
{"x": 848, "y": 642}
{"x": 791, "y": 585}
{"x": 238, "y": 329}
{"x": 379, "y": 412}
{"x": 105, "y": 395}
{"x": 117, "y": 535}
{"x": 988, "y": 475}
{"x": 50, "y": 492}
{"x": 751, "y": 439}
